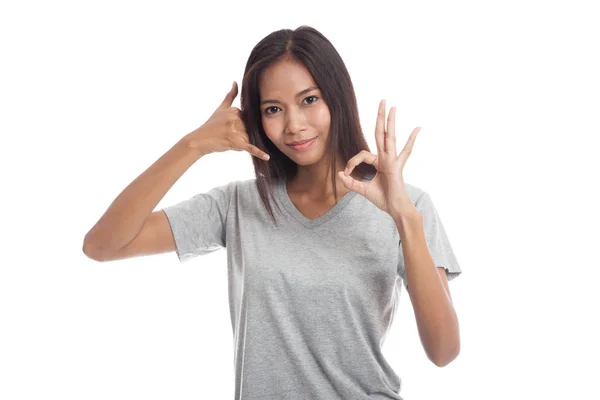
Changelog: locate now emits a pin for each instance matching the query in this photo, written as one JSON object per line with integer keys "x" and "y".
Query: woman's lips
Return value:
{"x": 303, "y": 146}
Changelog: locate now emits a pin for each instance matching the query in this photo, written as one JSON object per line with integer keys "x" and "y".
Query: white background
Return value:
{"x": 92, "y": 93}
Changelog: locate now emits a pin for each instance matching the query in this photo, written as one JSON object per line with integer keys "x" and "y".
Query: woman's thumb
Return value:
{"x": 229, "y": 97}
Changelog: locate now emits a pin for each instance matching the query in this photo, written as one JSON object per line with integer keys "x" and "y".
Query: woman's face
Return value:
{"x": 292, "y": 109}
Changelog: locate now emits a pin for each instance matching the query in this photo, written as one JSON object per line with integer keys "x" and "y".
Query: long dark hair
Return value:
{"x": 315, "y": 52}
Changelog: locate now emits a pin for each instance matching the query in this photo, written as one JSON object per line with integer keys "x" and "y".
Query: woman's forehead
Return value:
{"x": 285, "y": 79}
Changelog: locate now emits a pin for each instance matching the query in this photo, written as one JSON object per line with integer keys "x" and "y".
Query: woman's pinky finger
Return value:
{"x": 255, "y": 151}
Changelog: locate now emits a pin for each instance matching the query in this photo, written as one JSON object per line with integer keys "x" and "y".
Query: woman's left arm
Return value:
{"x": 437, "y": 321}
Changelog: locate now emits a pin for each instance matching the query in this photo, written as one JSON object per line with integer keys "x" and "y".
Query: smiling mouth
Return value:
{"x": 303, "y": 145}
{"x": 300, "y": 142}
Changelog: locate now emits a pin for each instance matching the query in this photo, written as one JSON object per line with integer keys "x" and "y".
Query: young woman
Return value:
{"x": 314, "y": 281}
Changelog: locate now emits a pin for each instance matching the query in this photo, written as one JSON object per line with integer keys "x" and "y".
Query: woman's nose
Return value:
{"x": 295, "y": 121}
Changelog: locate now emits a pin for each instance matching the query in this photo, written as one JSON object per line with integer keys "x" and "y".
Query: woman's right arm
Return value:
{"x": 128, "y": 213}
{"x": 129, "y": 227}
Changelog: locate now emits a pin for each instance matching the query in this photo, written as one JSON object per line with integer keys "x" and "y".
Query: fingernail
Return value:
{"x": 266, "y": 156}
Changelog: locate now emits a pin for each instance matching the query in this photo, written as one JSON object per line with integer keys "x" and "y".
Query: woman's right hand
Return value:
{"x": 224, "y": 130}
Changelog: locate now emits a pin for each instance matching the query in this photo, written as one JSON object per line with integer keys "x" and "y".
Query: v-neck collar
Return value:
{"x": 313, "y": 223}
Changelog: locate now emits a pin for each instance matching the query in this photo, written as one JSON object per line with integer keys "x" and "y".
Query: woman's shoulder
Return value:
{"x": 414, "y": 192}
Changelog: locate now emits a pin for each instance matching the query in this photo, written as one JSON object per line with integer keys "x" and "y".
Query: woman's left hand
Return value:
{"x": 386, "y": 190}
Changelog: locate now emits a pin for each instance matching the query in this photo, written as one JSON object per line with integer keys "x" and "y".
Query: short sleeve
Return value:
{"x": 437, "y": 241}
{"x": 199, "y": 223}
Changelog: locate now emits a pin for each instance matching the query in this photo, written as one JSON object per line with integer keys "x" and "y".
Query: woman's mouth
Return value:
{"x": 303, "y": 146}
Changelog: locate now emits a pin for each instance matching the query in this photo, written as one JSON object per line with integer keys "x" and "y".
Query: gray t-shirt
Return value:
{"x": 311, "y": 301}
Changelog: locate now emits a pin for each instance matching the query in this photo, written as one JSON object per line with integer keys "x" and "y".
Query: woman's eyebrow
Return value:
{"x": 298, "y": 95}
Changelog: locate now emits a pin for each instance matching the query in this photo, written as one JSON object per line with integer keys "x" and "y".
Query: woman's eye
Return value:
{"x": 267, "y": 110}
{"x": 315, "y": 97}
{"x": 270, "y": 108}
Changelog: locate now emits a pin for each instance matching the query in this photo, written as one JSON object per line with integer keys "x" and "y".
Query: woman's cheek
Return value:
{"x": 269, "y": 128}
{"x": 322, "y": 115}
